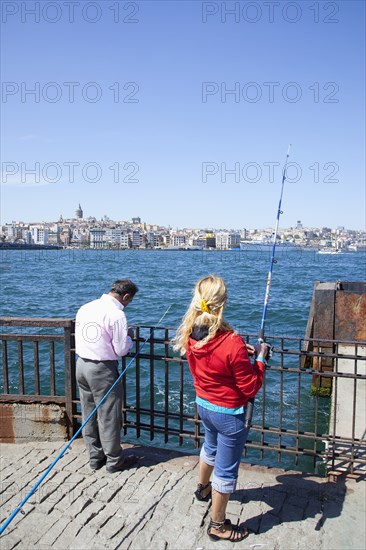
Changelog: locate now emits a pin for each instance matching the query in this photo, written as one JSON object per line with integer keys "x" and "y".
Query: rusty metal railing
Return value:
{"x": 293, "y": 416}
{"x": 38, "y": 363}
{"x": 294, "y": 421}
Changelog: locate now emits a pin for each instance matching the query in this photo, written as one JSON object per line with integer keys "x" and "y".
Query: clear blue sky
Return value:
{"x": 168, "y": 123}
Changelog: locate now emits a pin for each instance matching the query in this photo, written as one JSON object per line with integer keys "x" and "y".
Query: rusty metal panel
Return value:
{"x": 350, "y": 315}
{"x": 324, "y": 297}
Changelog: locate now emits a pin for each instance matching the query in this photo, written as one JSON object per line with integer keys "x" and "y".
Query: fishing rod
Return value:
{"x": 63, "y": 451}
{"x": 250, "y": 405}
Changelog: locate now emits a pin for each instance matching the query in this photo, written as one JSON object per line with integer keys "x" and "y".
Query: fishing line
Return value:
{"x": 250, "y": 405}
{"x": 60, "y": 455}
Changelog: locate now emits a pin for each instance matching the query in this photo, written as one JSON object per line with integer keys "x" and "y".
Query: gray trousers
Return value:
{"x": 102, "y": 432}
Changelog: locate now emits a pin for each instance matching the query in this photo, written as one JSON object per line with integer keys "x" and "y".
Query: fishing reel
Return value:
{"x": 269, "y": 351}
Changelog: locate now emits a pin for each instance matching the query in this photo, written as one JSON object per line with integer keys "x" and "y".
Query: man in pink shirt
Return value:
{"x": 102, "y": 336}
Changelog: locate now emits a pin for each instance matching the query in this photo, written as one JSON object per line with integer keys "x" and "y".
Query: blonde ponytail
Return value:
{"x": 206, "y": 309}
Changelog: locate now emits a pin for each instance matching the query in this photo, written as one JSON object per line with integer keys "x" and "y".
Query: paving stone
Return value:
{"x": 105, "y": 515}
{"x": 10, "y": 542}
{"x": 79, "y": 492}
{"x": 66, "y": 460}
{"x": 83, "y": 538}
{"x": 67, "y": 535}
{"x": 78, "y": 465}
{"x": 52, "y": 534}
{"x": 51, "y": 492}
{"x": 77, "y": 506}
{"x": 12, "y": 502}
{"x": 32, "y": 526}
{"x": 110, "y": 490}
{"x": 93, "y": 488}
{"x": 90, "y": 512}
{"x": 8, "y": 490}
{"x": 152, "y": 506}
{"x": 114, "y": 526}
{"x": 64, "y": 491}
{"x": 21, "y": 487}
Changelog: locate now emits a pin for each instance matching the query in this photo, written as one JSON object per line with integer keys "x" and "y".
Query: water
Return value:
{"x": 56, "y": 283}
{"x": 44, "y": 283}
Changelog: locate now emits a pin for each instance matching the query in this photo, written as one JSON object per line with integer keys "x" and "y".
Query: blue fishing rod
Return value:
{"x": 63, "y": 451}
{"x": 250, "y": 405}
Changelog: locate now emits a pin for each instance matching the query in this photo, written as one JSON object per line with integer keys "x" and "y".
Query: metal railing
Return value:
{"x": 293, "y": 421}
{"x": 38, "y": 364}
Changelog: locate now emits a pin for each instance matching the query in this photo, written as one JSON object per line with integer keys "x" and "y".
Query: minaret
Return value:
{"x": 79, "y": 213}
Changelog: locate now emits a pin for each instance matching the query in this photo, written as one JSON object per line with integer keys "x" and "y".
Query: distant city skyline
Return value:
{"x": 79, "y": 215}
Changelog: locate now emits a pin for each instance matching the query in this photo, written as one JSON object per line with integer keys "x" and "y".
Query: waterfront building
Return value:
{"x": 12, "y": 232}
{"x": 125, "y": 241}
{"x": 53, "y": 238}
{"x": 222, "y": 240}
{"x": 226, "y": 240}
{"x": 137, "y": 239}
{"x": 152, "y": 239}
{"x": 166, "y": 239}
{"x": 197, "y": 241}
{"x": 210, "y": 240}
{"x": 97, "y": 237}
{"x": 178, "y": 239}
{"x": 26, "y": 236}
{"x": 113, "y": 235}
{"x": 65, "y": 236}
{"x": 39, "y": 235}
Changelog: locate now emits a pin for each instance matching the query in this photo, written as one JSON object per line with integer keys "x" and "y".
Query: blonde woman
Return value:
{"x": 224, "y": 380}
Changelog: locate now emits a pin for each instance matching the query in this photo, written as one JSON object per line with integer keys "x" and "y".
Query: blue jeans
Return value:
{"x": 225, "y": 437}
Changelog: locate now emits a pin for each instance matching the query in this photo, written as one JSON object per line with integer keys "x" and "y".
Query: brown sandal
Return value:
{"x": 236, "y": 533}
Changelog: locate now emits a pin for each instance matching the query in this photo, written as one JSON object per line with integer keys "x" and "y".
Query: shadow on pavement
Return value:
{"x": 293, "y": 498}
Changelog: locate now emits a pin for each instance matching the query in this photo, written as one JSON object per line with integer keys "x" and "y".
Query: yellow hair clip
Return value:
{"x": 204, "y": 307}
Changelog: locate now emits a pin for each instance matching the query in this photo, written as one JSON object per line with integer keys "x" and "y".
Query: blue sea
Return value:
{"x": 55, "y": 283}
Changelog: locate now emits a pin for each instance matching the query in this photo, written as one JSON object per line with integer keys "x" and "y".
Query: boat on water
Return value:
{"x": 267, "y": 245}
{"x": 330, "y": 251}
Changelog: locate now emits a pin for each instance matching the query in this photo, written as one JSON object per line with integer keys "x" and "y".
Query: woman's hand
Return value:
{"x": 262, "y": 349}
{"x": 259, "y": 349}
{"x": 250, "y": 350}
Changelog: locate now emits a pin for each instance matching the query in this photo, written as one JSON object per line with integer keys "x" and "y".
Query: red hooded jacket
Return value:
{"x": 222, "y": 371}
